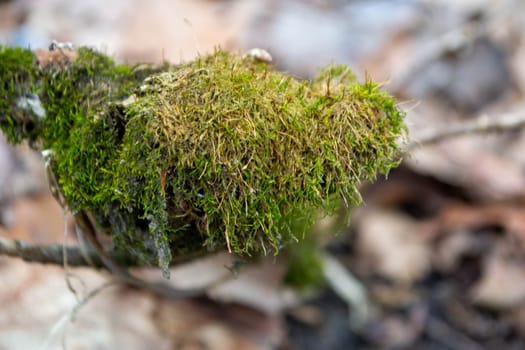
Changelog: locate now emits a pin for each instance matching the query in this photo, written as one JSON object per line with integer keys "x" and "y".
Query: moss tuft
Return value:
{"x": 219, "y": 152}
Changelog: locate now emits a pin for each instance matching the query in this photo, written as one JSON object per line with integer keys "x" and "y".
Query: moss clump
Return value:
{"x": 220, "y": 152}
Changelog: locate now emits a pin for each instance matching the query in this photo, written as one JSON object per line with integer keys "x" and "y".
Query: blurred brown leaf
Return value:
{"x": 392, "y": 244}
{"x": 502, "y": 285}
{"x": 203, "y": 324}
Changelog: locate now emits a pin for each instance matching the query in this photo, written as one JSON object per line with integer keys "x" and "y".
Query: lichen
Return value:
{"x": 220, "y": 152}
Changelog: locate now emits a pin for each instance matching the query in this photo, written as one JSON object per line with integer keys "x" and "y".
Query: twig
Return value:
{"x": 49, "y": 254}
{"x": 69, "y": 274}
{"x": 481, "y": 125}
{"x": 348, "y": 288}
{"x": 53, "y": 254}
{"x": 70, "y": 316}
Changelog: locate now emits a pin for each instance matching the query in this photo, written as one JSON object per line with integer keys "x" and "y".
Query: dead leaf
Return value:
{"x": 204, "y": 324}
{"x": 393, "y": 245}
{"x": 35, "y": 297}
{"x": 502, "y": 285}
{"x": 255, "y": 284}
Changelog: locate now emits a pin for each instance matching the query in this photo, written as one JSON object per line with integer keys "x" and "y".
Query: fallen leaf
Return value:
{"x": 394, "y": 246}
{"x": 204, "y": 324}
{"x": 502, "y": 285}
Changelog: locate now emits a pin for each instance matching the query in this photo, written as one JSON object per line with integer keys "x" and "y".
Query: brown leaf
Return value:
{"x": 502, "y": 285}
{"x": 203, "y": 324}
{"x": 393, "y": 245}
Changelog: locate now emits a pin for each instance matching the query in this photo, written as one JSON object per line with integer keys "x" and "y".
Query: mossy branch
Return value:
{"x": 223, "y": 152}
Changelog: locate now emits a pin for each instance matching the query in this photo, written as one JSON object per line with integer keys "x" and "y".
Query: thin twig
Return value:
{"x": 481, "y": 125}
{"x": 348, "y": 288}
{"x": 69, "y": 274}
{"x": 71, "y": 315}
{"x": 48, "y": 254}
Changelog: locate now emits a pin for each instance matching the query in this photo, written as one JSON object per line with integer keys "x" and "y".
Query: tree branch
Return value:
{"x": 53, "y": 254}
{"x": 481, "y": 125}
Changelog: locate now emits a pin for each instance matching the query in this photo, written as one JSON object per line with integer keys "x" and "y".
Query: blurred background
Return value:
{"x": 438, "y": 247}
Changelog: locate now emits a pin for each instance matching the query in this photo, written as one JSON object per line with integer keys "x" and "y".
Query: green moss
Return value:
{"x": 18, "y": 80}
{"x": 219, "y": 152}
{"x": 305, "y": 267}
